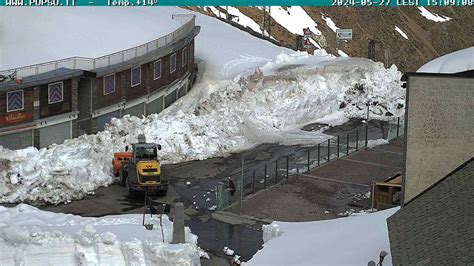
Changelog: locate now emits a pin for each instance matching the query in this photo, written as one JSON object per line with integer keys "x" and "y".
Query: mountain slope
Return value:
{"x": 429, "y": 32}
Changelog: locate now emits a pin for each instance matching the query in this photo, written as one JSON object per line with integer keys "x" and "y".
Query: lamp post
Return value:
{"x": 367, "y": 125}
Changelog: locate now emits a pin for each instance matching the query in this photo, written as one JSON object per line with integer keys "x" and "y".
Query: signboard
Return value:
{"x": 344, "y": 34}
{"x": 15, "y": 118}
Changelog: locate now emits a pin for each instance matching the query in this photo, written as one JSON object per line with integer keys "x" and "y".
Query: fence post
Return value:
{"x": 265, "y": 177}
{"x": 337, "y": 146}
{"x": 309, "y": 158}
{"x": 288, "y": 166}
{"x": 276, "y": 171}
{"x": 319, "y": 153}
{"x": 347, "y": 152}
{"x": 253, "y": 181}
{"x": 357, "y": 139}
{"x": 329, "y": 149}
{"x": 366, "y": 135}
{"x": 241, "y": 187}
{"x": 398, "y": 127}
{"x": 297, "y": 169}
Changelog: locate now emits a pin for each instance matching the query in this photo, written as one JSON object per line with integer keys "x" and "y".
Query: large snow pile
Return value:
{"x": 353, "y": 240}
{"x": 459, "y": 61}
{"x": 30, "y": 236}
{"x": 214, "y": 119}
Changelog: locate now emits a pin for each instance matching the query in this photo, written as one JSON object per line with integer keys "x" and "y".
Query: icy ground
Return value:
{"x": 216, "y": 118}
{"x": 30, "y": 236}
{"x": 354, "y": 240}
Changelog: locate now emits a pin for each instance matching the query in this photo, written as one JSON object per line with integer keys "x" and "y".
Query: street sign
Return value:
{"x": 344, "y": 34}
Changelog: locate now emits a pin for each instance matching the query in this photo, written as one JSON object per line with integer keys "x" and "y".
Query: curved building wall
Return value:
{"x": 81, "y": 101}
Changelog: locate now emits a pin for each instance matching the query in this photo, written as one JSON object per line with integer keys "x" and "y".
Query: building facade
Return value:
{"x": 59, "y": 100}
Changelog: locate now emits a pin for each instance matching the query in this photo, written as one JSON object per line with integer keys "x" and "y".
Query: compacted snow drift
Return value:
{"x": 216, "y": 118}
{"x": 30, "y": 236}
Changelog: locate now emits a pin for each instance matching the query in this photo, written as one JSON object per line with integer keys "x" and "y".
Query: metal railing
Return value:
{"x": 84, "y": 63}
{"x": 304, "y": 159}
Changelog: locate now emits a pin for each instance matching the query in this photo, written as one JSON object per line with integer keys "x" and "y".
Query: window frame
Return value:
{"x": 62, "y": 92}
{"x": 22, "y": 101}
{"x": 131, "y": 76}
{"x": 175, "y": 63}
{"x": 154, "y": 69}
{"x": 184, "y": 56}
{"x": 103, "y": 89}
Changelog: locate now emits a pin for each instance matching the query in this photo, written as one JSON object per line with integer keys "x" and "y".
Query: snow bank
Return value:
{"x": 459, "y": 61}
{"x": 433, "y": 17}
{"x": 31, "y": 236}
{"x": 353, "y": 240}
{"x": 214, "y": 119}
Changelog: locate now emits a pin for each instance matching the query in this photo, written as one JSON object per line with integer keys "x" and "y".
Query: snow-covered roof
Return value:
{"x": 459, "y": 61}
{"x": 37, "y": 35}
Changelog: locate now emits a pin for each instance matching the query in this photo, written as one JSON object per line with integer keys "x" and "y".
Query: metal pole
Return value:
{"x": 367, "y": 127}
{"x": 337, "y": 146}
{"x": 398, "y": 127}
{"x": 241, "y": 186}
{"x": 265, "y": 177}
{"x": 253, "y": 181}
{"x": 319, "y": 153}
{"x": 309, "y": 158}
{"x": 357, "y": 139}
{"x": 288, "y": 166}
{"x": 276, "y": 171}
{"x": 347, "y": 152}
{"x": 329, "y": 149}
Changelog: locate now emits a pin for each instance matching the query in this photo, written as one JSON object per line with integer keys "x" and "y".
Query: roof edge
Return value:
{"x": 441, "y": 180}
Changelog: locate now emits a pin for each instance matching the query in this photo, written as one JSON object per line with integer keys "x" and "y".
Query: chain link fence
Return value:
{"x": 302, "y": 160}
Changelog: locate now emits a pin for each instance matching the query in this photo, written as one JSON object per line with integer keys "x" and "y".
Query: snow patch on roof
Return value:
{"x": 330, "y": 23}
{"x": 404, "y": 35}
{"x": 434, "y": 17}
{"x": 36, "y": 35}
{"x": 459, "y": 61}
{"x": 353, "y": 240}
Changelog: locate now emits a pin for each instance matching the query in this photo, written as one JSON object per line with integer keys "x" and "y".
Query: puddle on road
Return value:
{"x": 214, "y": 235}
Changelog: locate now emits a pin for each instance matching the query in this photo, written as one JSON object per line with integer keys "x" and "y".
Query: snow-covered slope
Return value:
{"x": 459, "y": 61}
{"x": 353, "y": 240}
{"x": 29, "y": 236}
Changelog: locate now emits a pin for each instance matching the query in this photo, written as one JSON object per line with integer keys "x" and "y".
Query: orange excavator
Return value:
{"x": 120, "y": 157}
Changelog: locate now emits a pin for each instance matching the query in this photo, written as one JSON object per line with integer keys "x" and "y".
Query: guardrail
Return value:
{"x": 84, "y": 63}
{"x": 301, "y": 160}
